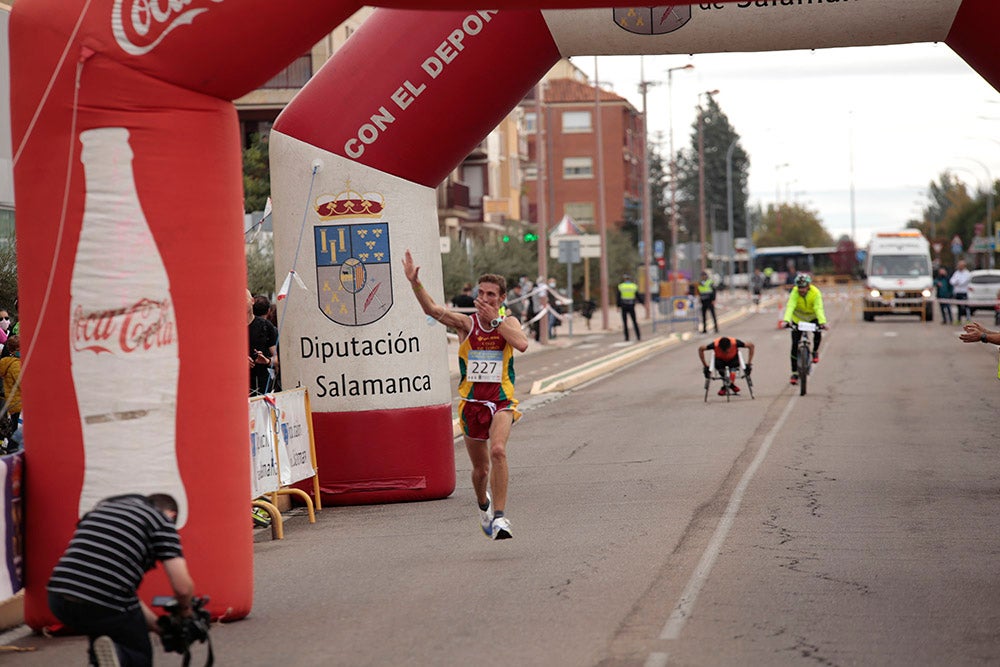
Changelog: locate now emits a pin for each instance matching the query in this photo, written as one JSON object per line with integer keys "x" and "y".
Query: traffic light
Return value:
{"x": 530, "y": 236}
{"x": 506, "y": 238}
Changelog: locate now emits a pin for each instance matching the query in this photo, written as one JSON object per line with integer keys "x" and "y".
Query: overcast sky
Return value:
{"x": 900, "y": 114}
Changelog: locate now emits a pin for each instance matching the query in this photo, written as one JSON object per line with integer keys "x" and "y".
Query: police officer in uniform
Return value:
{"x": 627, "y": 292}
{"x": 706, "y": 293}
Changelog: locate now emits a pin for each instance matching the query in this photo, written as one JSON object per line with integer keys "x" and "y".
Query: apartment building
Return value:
{"x": 570, "y": 106}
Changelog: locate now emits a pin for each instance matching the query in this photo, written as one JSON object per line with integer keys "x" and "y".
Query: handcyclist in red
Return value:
{"x": 727, "y": 359}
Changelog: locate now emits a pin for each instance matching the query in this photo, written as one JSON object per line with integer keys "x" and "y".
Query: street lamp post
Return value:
{"x": 602, "y": 218}
{"x": 777, "y": 197}
{"x": 647, "y": 217}
{"x": 701, "y": 178}
{"x": 674, "y": 256}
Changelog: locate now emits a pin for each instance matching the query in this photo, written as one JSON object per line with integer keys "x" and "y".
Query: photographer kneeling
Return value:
{"x": 92, "y": 589}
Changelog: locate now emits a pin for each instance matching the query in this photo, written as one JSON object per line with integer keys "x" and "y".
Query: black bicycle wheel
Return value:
{"x": 804, "y": 361}
{"x": 750, "y": 386}
{"x": 708, "y": 383}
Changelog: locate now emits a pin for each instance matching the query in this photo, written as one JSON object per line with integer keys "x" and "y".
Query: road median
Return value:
{"x": 609, "y": 362}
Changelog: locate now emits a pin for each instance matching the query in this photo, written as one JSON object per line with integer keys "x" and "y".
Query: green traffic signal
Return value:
{"x": 528, "y": 236}
{"x": 506, "y": 238}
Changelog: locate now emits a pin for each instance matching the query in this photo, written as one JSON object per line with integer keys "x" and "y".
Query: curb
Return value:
{"x": 577, "y": 376}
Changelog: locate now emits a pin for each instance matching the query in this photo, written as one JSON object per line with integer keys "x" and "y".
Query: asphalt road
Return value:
{"x": 855, "y": 525}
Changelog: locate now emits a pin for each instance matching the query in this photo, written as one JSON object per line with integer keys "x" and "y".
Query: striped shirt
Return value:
{"x": 114, "y": 545}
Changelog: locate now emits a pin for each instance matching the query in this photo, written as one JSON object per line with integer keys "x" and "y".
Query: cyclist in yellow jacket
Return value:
{"x": 805, "y": 304}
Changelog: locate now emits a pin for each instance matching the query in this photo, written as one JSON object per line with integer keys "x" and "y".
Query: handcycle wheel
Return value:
{"x": 804, "y": 362}
{"x": 707, "y": 385}
{"x": 749, "y": 385}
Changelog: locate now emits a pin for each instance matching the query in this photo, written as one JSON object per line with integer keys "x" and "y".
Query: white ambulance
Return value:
{"x": 899, "y": 279}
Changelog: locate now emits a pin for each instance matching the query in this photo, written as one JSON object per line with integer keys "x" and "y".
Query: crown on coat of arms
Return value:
{"x": 350, "y": 204}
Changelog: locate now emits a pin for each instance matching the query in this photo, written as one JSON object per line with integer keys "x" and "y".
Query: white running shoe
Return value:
{"x": 501, "y": 528}
{"x": 486, "y": 517}
{"x": 105, "y": 652}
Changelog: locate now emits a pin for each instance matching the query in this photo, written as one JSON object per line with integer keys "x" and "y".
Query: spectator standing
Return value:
{"x": 943, "y": 290}
{"x": 515, "y": 302}
{"x": 527, "y": 290}
{"x": 756, "y": 286}
{"x": 263, "y": 337}
{"x": 960, "y": 288}
{"x": 10, "y": 372}
{"x": 16, "y": 327}
{"x": 272, "y": 317}
{"x": 464, "y": 298}
{"x": 5, "y": 327}
{"x": 93, "y": 586}
{"x": 555, "y": 309}
{"x": 539, "y": 301}
{"x": 627, "y": 293}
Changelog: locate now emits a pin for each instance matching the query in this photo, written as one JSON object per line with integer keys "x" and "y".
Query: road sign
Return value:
{"x": 658, "y": 249}
{"x": 590, "y": 245}
{"x": 569, "y": 251}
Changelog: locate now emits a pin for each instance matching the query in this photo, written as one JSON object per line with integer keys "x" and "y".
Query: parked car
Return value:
{"x": 984, "y": 289}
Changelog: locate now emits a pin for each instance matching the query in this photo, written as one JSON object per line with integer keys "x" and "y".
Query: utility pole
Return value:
{"x": 647, "y": 217}
{"x": 701, "y": 179}
{"x": 674, "y": 256}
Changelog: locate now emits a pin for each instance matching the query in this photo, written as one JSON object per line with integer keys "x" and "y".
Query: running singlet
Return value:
{"x": 486, "y": 363}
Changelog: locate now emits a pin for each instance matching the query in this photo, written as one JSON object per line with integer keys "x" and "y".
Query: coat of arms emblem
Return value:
{"x": 652, "y": 20}
{"x": 353, "y": 267}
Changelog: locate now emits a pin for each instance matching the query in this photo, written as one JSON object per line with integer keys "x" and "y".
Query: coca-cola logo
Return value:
{"x": 145, "y": 325}
{"x": 139, "y": 25}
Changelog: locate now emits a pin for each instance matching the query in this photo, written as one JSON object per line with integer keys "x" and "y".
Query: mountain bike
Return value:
{"x": 804, "y": 354}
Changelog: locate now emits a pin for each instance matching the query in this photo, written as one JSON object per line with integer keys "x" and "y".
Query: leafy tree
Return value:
{"x": 260, "y": 268}
{"x": 791, "y": 224}
{"x": 718, "y": 135}
{"x": 659, "y": 196}
{"x": 256, "y": 174}
{"x": 951, "y": 210}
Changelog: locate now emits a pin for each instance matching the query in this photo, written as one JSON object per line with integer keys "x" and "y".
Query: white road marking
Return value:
{"x": 685, "y": 605}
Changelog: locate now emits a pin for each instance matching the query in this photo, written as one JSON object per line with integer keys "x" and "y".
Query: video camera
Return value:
{"x": 178, "y": 632}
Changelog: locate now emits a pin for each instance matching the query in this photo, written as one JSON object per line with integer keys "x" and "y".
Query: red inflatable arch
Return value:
{"x": 129, "y": 205}
{"x": 417, "y": 106}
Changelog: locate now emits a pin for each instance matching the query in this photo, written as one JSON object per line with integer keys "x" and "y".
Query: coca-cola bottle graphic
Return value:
{"x": 123, "y": 335}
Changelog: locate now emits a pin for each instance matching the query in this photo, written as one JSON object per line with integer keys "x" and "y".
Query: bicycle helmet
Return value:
{"x": 803, "y": 280}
